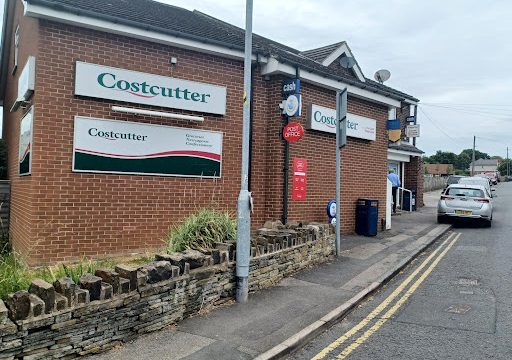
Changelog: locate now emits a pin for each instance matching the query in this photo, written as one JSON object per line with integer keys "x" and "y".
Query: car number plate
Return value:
{"x": 464, "y": 212}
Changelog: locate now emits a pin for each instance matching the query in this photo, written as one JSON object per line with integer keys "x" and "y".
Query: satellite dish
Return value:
{"x": 382, "y": 75}
{"x": 347, "y": 62}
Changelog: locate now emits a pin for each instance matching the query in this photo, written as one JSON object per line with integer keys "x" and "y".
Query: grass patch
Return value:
{"x": 14, "y": 275}
{"x": 202, "y": 231}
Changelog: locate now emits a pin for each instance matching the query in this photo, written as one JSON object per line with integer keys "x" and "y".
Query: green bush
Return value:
{"x": 202, "y": 231}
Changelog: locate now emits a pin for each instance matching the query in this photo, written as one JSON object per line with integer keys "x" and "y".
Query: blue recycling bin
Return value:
{"x": 407, "y": 200}
{"x": 367, "y": 216}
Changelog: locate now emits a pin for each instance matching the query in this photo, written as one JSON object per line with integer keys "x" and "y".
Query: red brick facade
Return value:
{"x": 59, "y": 215}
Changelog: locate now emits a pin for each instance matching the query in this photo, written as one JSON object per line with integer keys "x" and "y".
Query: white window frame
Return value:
{"x": 16, "y": 48}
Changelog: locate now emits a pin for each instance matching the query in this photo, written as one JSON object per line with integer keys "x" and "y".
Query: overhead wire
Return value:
{"x": 437, "y": 125}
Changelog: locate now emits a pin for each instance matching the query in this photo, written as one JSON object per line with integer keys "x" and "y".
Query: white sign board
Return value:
{"x": 26, "y": 81}
{"x": 25, "y": 148}
{"x": 412, "y": 131}
{"x": 324, "y": 119}
{"x": 142, "y": 88}
{"x": 114, "y": 146}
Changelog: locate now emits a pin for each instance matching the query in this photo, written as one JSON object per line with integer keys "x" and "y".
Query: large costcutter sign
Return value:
{"x": 141, "y": 88}
{"x": 324, "y": 119}
{"x": 134, "y": 148}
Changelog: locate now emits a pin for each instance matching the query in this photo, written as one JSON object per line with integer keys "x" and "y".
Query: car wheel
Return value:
{"x": 487, "y": 223}
{"x": 441, "y": 220}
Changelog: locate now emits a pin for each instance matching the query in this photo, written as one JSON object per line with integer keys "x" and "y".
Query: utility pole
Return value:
{"x": 508, "y": 165}
{"x": 243, "y": 240}
{"x": 473, "y": 159}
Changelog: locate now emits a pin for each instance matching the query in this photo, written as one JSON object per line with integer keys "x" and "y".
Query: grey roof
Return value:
{"x": 173, "y": 20}
{"x": 488, "y": 162}
{"x": 405, "y": 147}
{"x": 321, "y": 53}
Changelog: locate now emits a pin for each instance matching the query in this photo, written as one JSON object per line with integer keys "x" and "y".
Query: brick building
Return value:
{"x": 88, "y": 180}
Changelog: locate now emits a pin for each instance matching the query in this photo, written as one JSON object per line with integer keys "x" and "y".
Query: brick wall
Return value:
{"x": 363, "y": 162}
{"x": 59, "y": 215}
{"x": 22, "y": 188}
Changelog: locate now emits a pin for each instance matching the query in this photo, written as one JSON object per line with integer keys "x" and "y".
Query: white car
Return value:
{"x": 477, "y": 180}
{"x": 472, "y": 202}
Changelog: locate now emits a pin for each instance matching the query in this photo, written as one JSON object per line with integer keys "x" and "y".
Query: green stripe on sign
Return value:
{"x": 25, "y": 165}
{"x": 170, "y": 165}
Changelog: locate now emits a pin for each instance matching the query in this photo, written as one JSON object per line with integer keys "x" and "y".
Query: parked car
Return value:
{"x": 452, "y": 179}
{"x": 477, "y": 180}
{"x": 463, "y": 201}
{"x": 493, "y": 176}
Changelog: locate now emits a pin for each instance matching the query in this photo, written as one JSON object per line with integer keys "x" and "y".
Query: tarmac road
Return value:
{"x": 453, "y": 302}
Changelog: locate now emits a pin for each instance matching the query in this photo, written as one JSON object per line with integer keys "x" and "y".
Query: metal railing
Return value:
{"x": 402, "y": 190}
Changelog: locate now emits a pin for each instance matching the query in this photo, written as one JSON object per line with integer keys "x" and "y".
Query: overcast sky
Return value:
{"x": 455, "y": 56}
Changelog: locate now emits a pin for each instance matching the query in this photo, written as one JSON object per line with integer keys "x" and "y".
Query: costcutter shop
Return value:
{"x": 123, "y": 119}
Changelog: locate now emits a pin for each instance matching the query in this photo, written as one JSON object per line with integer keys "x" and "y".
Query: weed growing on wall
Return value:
{"x": 202, "y": 231}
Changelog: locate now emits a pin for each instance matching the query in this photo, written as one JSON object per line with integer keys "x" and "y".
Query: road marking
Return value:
{"x": 350, "y": 348}
{"x": 322, "y": 354}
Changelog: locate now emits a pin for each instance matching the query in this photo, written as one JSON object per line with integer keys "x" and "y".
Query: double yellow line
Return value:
{"x": 379, "y": 309}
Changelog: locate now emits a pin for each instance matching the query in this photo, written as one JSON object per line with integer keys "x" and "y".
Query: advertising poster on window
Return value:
{"x": 122, "y": 147}
{"x": 25, "y": 150}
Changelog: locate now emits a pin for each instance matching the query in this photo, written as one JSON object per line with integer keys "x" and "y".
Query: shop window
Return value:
{"x": 16, "y": 48}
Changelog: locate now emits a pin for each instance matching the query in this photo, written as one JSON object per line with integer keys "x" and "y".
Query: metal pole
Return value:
{"x": 415, "y": 122}
{"x": 243, "y": 241}
{"x": 473, "y": 162}
{"x": 341, "y": 115}
{"x": 508, "y": 165}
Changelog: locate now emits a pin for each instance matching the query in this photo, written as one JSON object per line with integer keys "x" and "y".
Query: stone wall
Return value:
{"x": 114, "y": 306}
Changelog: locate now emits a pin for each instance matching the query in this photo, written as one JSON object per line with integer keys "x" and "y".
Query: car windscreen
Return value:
{"x": 454, "y": 191}
{"x": 453, "y": 180}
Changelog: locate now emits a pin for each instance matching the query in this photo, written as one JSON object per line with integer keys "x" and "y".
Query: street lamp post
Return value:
{"x": 243, "y": 241}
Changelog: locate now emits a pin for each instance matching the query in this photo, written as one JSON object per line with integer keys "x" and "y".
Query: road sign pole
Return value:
{"x": 341, "y": 140}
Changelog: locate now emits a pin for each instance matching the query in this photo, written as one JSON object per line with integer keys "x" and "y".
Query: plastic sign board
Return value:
{"x": 142, "y": 88}
{"x": 324, "y": 119}
{"x": 412, "y": 131}
{"x": 122, "y": 147}
{"x": 331, "y": 209}
{"x": 293, "y": 105}
{"x": 25, "y": 148}
{"x": 293, "y": 132}
{"x": 27, "y": 79}
{"x": 299, "y": 179}
{"x": 291, "y": 86}
{"x": 411, "y": 119}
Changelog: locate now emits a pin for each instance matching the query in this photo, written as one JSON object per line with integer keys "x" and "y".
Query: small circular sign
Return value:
{"x": 331, "y": 209}
{"x": 332, "y": 221}
{"x": 292, "y": 105}
{"x": 293, "y": 132}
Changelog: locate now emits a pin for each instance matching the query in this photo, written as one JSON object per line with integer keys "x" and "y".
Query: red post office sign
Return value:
{"x": 293, "y": 132}
{"x": 299, "y": 179}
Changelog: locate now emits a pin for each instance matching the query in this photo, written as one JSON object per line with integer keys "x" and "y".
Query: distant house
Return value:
{"x": 485, "y": 165}
{"x": 439, "y": 169}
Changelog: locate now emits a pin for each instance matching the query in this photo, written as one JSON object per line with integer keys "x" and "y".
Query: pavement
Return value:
{"x": 278, "y": 320}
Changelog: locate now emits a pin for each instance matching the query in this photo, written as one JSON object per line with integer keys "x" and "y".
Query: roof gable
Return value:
{"x": 326, "y": 55}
